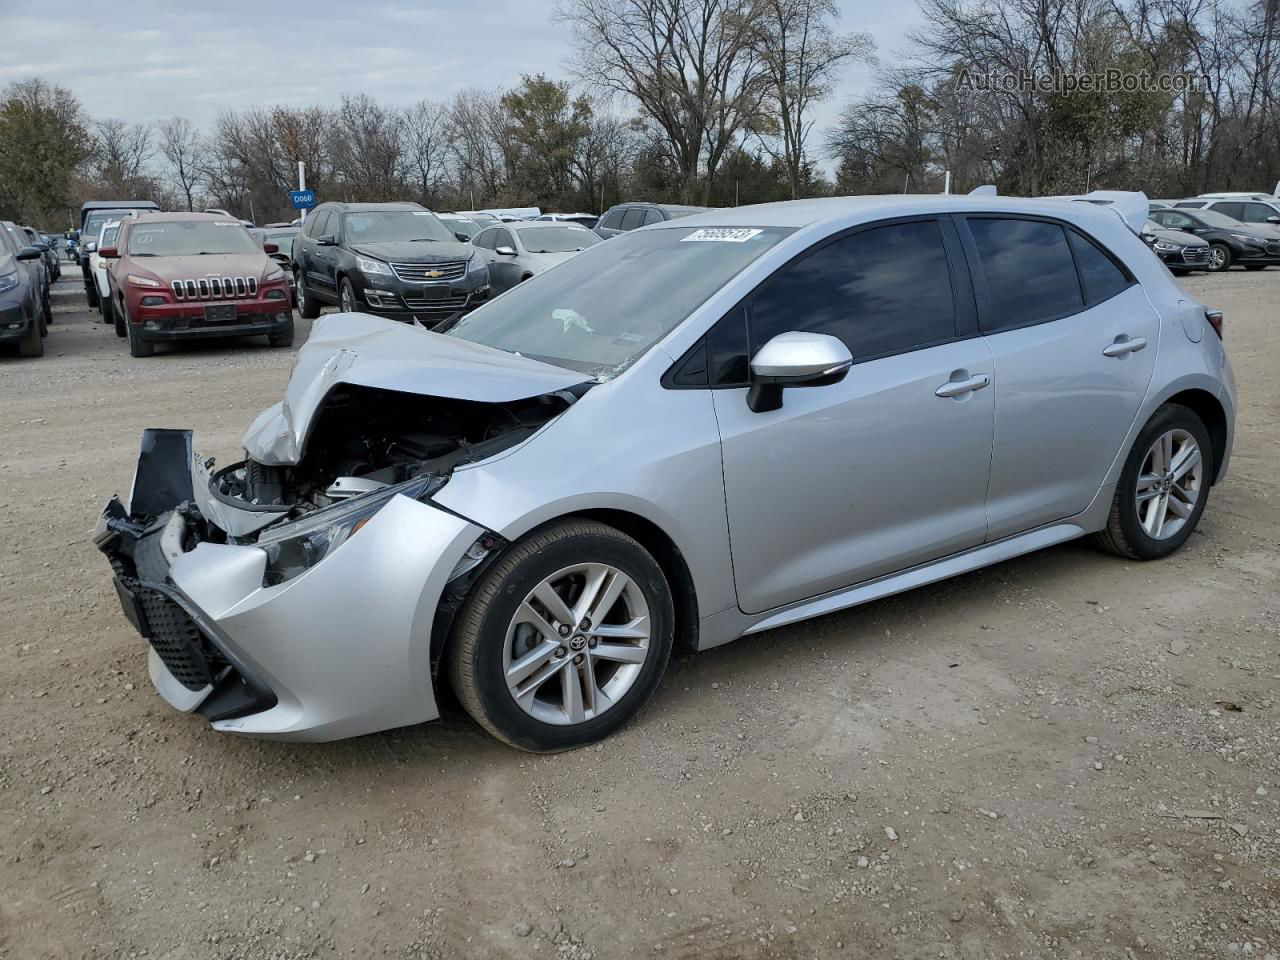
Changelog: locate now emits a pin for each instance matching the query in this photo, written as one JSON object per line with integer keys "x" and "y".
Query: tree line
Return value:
{"x": 713, "y": 102}
{"x": 1219, "y": 131}
{"x": 703, "y": 101}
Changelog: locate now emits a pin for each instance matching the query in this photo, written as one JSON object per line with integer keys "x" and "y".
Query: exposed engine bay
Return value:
{"x": 366, "y": 438}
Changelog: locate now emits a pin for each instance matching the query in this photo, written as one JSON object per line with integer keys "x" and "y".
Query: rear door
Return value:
{"x": 313, "y": 259}
{"x": 1074, "y": 342}
{"x": 886, "y": 469}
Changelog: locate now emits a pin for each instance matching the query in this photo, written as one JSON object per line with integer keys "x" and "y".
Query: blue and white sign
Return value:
{"x": 302, "y": 199}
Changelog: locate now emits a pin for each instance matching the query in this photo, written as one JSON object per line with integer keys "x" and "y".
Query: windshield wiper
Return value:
{"x": 424, "y": 240}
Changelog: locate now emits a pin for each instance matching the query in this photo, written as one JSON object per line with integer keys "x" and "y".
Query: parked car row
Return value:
{"x": 1216, "y": 231}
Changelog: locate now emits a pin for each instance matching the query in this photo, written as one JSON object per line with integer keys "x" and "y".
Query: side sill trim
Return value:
{"x": 919, "y": 576}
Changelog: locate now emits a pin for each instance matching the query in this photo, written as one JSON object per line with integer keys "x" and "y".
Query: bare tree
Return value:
{"x": 184, "y": 150}
{"x": 426, "y": 146}
{"x": 121, "y": 152}
{"x": 801, "y": 55}
{"x": 366, "y": 147}
{"x": 691, "y": 66}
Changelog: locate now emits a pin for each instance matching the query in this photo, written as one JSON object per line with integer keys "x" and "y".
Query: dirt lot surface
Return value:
{"x": 1067, "y": 755}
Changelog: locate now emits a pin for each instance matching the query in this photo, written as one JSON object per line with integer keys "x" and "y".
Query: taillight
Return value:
{"x": 1215, "y": 320}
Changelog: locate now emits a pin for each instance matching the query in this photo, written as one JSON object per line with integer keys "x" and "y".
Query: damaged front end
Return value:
{"x": 301, "y": 598}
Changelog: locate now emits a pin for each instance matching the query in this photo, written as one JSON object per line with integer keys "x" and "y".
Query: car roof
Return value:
{"x": 675, "y": 207}
{"x": 183, "y": 217}
{"x": 519, "y": 225}
{"x": 371, "y": 207}
{"x": 805, "y": 213}
{"x": 1257, "y": 195}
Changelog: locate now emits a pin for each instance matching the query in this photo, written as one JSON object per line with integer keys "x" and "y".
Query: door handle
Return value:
{"x": 1123, "y": 345}
{"x": 958, "y": 388}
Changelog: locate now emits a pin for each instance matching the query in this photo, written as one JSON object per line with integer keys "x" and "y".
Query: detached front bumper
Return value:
{"x": 341, "y": 650}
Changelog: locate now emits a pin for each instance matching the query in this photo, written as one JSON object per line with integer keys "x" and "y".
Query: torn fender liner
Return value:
{"x": 162, "y": 479}
{"x": 364, "y": 350}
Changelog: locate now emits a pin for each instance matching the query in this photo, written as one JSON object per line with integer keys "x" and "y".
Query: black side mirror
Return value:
{"x": 29, "y": 253}
{"x": 328, "y": 240}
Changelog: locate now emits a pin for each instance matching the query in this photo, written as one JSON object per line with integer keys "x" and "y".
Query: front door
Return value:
{"x": 886, "y": 469}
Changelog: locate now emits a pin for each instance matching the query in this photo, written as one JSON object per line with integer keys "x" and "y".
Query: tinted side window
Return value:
{"x": 881, "y": 291}
{"x": 483, "y": 239}
{"x": 309, "y": 225}
{"x": 633, "y": 218}
{"x": 503, "y": 238}
{"x": 612, "y": 219}
{"x": 1030, "y": 274}
{"x": 324, "y": 224}
{"x": 1256, "y": 213}
{"x": 651, "y": 216}
{"x": 1230, "y": 209}
{"x": 1101, "y": 277}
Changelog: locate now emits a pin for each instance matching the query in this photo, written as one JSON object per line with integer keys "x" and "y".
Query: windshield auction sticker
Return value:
{"x": 721, "y": 235}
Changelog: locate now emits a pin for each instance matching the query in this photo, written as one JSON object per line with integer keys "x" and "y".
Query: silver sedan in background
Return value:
{"x": 699, "y": 430}
{"x": 517, "y": 251}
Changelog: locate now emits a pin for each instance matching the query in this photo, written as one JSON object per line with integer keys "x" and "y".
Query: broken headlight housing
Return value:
{"x": 293, "y": 548}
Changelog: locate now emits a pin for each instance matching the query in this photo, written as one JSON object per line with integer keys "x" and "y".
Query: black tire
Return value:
{"x": 1220, "y": 254}
{"x": 1123, "y": 534}
{"x": 475, "y": 654}
{"x": 32, "y": 345}
{"x": 283, "y": 338}
{"x": 1178, "y": 271}
{"x": 308, "y": 306}
{"x": 348, "y": 302}
{"x": 44, "y": 320}
{"x": 108, "y": 311}
{"x": 91, "y": 294}
{"x": 137, "y": 346}
{"x": 1256, "y": 266}
{"x": 48, "y": 309}
{"x": 120, "y": 320}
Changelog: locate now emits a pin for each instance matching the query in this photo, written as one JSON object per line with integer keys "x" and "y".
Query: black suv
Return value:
{"x": 628, "y": 216}
{"x": 24, "y": 301}
{"x": 395, "y": 260}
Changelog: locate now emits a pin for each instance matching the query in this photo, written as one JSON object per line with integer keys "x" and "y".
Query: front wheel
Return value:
{"x": 347, "y": 300}
{"x": 282, "y": 337}
{"x": 564, "y": 639}
{"x": 137, "y": 346}
{"x": 1219, "y": 257}
{"x": 308, "y": 306}
{"x": 1163, "y": 487}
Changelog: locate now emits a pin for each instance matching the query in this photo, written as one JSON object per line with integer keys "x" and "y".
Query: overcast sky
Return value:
{"x": 144, "y": 61}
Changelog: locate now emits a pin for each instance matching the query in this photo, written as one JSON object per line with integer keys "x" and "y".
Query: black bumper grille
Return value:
{"x": 175, "y": 638}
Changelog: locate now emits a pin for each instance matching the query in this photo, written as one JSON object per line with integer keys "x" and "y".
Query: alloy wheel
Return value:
{"x": 300, "y": 292}
{"x": 1170, "y": 484}
{"x": 577, "y": 643}
{"x": 348, "y": 299}
{"x": 1217, "y": 258}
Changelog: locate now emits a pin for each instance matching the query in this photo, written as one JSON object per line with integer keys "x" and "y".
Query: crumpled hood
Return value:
{"x": 368, "y": 351}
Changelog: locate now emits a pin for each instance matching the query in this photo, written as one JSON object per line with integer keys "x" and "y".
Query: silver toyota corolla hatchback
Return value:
{"x": 698, "y": 430}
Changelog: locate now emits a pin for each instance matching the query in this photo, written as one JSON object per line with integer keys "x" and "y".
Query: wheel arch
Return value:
{"x": 1209, "y": 409}
{"x": 644, "y": 531}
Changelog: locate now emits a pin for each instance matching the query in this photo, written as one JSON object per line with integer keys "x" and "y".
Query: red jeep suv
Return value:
{"x": 180, "y": 276}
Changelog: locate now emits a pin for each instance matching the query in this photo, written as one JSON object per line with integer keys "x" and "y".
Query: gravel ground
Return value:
{"x": 1067, "y": 755}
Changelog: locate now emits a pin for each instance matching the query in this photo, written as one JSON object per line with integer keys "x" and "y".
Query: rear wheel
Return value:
{"x": 308, "y": 306}
{"x": 1163, "y": 488}
{"x": 1219, "y": 257}
{"x": 91, "y": 294}
{"x": 564, "y": 639}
